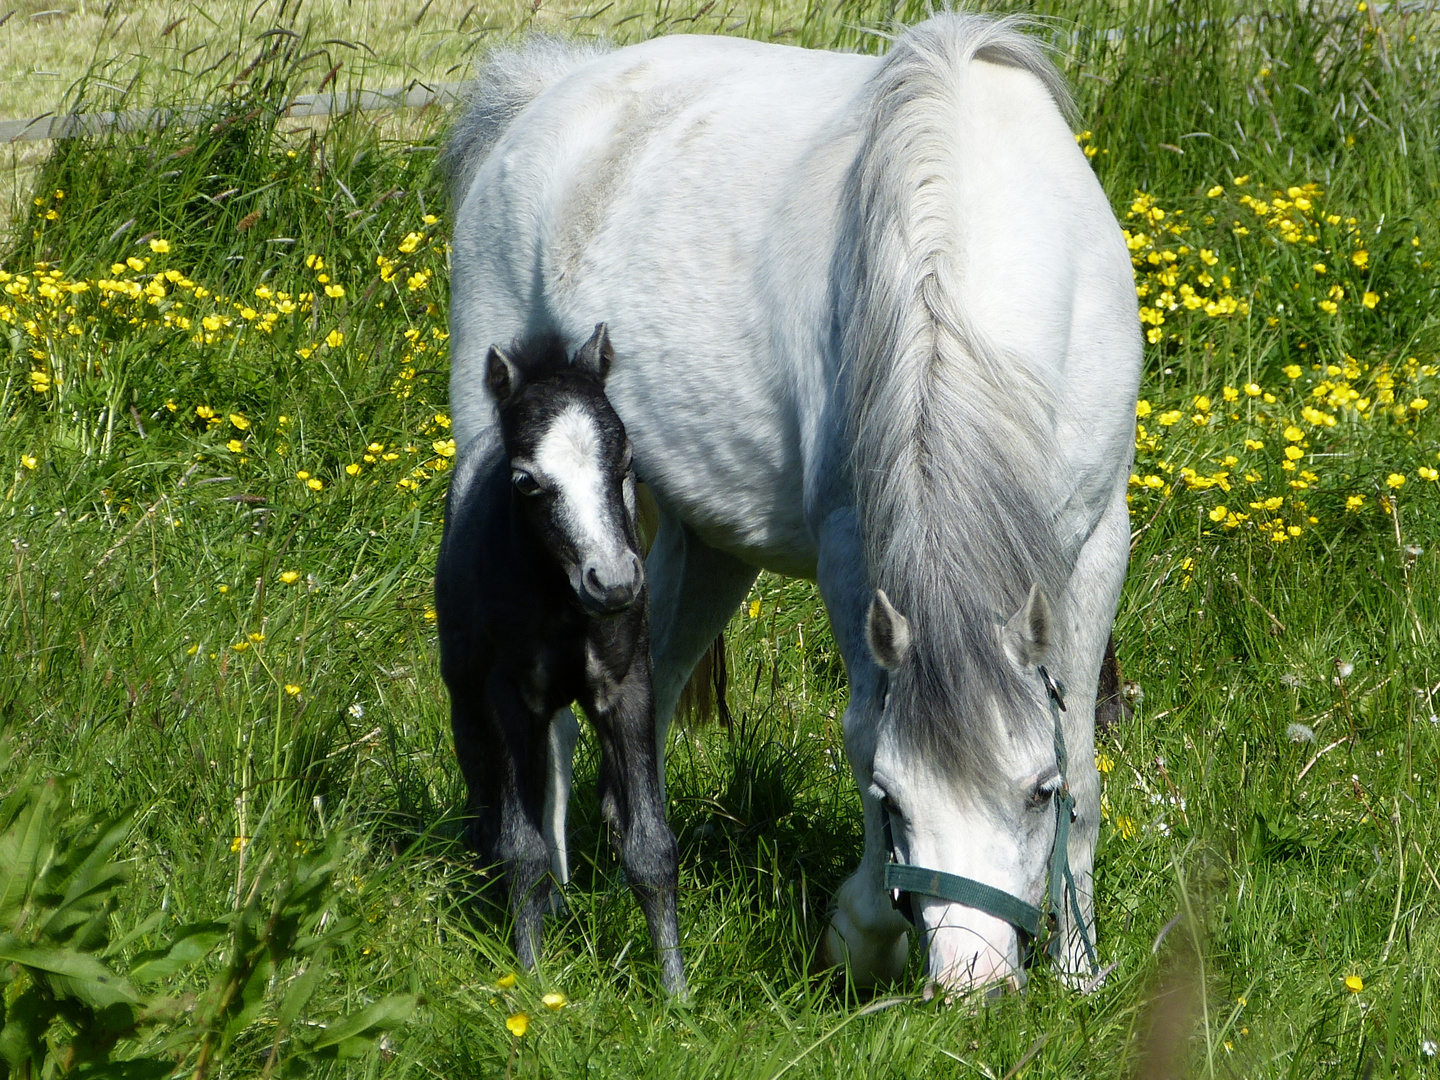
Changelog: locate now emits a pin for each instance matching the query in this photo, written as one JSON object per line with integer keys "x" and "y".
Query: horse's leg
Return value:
{"x": 1090, "y": 601}
{"x": 632, "y": 805}
{"x": 564, "y": 731}
{"x": 520, "y": 847}
{"x": 866, "y": 931}
{"x": 694, "y": 589}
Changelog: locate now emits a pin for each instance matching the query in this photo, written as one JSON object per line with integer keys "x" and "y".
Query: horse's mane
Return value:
{"x": 953, "y": 443}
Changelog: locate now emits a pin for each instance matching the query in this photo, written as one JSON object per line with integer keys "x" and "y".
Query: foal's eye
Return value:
{"x": 524, "y": 483}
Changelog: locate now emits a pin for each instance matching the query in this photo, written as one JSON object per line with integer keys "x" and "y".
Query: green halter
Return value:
{"x": 1040, "y": 927}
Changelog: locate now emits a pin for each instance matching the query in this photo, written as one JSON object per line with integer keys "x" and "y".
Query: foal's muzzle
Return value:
{"x": 610, "y": 589}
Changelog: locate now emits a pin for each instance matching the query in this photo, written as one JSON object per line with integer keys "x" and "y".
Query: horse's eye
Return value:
{"x": 524, "y": 483}
{"x": 1041, "y": 795}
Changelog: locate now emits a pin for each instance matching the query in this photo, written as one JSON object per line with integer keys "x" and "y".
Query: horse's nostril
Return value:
{"x": 592, "y": 584}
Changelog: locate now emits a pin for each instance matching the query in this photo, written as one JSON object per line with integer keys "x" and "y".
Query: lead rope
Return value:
{"x": 1061, "y": 876}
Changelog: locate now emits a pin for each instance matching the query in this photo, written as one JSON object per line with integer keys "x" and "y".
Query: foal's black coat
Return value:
{"x": 529, "y": 622}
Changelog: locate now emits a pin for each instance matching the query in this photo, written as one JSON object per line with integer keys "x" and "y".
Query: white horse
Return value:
{"x": 877, "y": 327}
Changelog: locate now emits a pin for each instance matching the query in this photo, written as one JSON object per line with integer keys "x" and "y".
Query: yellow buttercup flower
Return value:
{"x": 335, "y": 291}
{"x": 1292, "y": 371}
{"x": 518, "y": 1024}
{"x": 554, "y": 1002}
{"x": 160, "y": 247}
{"x": 235, "y": 446}
{"x": 291, "y": 689}
{"x": 289, "y": 577}
{"x": 1354, "y": 983}
{"x": 1218, "y": 514}
{"x": 1354, "y": 502}
{"x": 1395, "y": 480}
{"x": 506, "y": 981}
{"x": 335, "y": 339}
{"x": 754, "y": 609}
{"x": 352, "y": 470}
{"x": 313, "y": 484}
{"x": 28, "y": 460}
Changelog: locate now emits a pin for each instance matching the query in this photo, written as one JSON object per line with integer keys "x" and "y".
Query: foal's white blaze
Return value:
{"x": 568, "y": 459}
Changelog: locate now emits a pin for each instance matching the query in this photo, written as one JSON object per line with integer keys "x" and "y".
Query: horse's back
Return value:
{"x": 689, "y": 190}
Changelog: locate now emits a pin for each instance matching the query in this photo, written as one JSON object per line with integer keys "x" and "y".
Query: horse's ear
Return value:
{"x": 888, "y": 632}
{"x": 502, "y": 377}
{"x": 1027, "y": 635}
{"x": 597, "y": 354}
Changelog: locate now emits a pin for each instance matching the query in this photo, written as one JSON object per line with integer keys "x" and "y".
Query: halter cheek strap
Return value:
{"x": 1042, "y": 927}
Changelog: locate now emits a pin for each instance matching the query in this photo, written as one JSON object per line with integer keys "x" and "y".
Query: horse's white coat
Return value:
{"x": 691, "y": 192}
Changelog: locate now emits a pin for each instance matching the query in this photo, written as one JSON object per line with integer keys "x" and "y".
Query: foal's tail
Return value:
{"x": 505, "y": 82}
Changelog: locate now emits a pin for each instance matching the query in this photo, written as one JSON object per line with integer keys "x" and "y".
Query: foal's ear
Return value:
{"x": 596, "y": 355}
{"x": 502, "y": 377}
{"x": 1026, "y": 636}
{"x": 888, "y": 632}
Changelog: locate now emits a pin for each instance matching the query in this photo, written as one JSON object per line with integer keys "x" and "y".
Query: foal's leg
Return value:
{"x": 564, "y": 732}
{"x": 632, "y": 805}
{"x": 694, "y": 589}
{"x": 866, "y": 932}
{"x": 520, "y": 847}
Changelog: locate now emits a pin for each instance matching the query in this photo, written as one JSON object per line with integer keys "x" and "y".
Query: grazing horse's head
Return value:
{"x": 570, "y": 466}
{"x": 972, "y": 785}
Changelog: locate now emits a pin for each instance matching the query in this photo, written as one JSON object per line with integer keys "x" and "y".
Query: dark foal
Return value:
{"x": 542, "y": 601}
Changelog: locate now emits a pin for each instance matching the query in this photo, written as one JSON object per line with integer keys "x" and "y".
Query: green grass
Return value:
{"x": 144, "y": 551}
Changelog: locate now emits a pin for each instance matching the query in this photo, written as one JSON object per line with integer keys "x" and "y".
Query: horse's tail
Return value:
{"x": 953, "y": 441}
{"x": 505, "y": 82}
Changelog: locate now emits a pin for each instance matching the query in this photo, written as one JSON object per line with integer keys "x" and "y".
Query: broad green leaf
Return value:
{"x": 189, "y": 946}
{"x": 71, "y": 974}
{"x": 384, "y": 1014}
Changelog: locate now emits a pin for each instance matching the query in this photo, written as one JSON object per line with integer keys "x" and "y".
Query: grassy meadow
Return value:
{"x": 228, "y": 832}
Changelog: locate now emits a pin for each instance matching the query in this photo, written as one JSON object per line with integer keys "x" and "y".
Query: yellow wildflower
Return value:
{"x": 160, "y": 247}
{"x": 1427, "y": 473}
{"x": 1218, "y": 514}
{"x": 28, "y": 460}
{"x": 239, "y": 421}
{"x": 1292, "y": 371}
{"x": 554, "y": 1002}
{"x": 518, "y": 1024}
{"x": 1252, "y": 389}
{"x": 1361, "y": 258}
{"x": 235, "y": 446}
{"x": 506, "y": 981}
{"x": 352, "y": 470}
{"x": 335, "y": 339}
{"x": 1395, "y": 480}
{"x": 1419, "y": 404}
{"x": 313, "y": 484}
{"x": 335, "y": 292}
{"x": 291, "y": 689}
{"x": 444, "y": 447}
{"x": 1354, "y": 503}
{"x": 1354, "y": 983}
{"x": 1167, "y": 419}
{"x": 754, "y": 609}
{"x": 1370, "y": 299}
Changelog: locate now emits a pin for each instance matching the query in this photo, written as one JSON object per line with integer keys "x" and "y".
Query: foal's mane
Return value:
{"x": 953, "y": 443}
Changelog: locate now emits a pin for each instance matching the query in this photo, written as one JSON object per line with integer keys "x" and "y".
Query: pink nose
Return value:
{"x": 967, "y": 949}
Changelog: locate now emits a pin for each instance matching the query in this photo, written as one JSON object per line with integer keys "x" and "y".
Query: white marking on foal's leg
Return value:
{"x": 563, "y": 733}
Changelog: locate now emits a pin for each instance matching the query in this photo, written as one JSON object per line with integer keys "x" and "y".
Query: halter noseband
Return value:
{"x": 1041, "y": 927}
